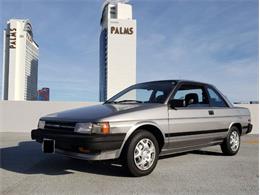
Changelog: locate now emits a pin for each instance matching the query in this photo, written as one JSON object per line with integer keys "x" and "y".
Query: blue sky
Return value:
{"x": 213, "y": 41}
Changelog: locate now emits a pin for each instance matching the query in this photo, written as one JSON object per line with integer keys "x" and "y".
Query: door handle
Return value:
{"x": 211, "y": 112}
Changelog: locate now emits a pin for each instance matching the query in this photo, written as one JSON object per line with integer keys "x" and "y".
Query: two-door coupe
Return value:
{"x": 145, "y": 121}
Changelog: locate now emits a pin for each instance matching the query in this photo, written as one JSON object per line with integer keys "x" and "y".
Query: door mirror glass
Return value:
{"x": 176, "y": 103}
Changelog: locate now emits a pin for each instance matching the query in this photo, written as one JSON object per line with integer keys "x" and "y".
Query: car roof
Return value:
{"x": 177, "y": 81}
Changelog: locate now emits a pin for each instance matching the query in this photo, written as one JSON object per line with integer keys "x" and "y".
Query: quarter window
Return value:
{"x": 215, "y": 99}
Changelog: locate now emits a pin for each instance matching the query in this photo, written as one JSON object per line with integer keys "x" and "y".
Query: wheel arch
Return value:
{"x": 150, "y": 127}
{"x": 236, "y": 124}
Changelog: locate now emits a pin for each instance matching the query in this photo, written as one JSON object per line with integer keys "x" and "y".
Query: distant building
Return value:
{"x": 241, "y": 102}
{"x": 250, "y": 102}
{"x": 44, "y": 94}
{"x": 117, "y": 49}
{"x": 20, "y": 61}
{"x": 254, "y": 102}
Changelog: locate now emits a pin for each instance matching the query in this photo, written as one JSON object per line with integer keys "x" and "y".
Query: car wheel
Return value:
{"x": 231, "y": 144}
{"x": 142, "y": 153}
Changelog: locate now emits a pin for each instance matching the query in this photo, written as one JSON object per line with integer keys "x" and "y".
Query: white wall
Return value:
{"x": 23, "y": 116}
{"x": 254, "y": 110}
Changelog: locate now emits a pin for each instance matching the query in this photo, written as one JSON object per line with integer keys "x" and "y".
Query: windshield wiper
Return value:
{"x": 128, "y": 101}
{"x": 109, "y": 102}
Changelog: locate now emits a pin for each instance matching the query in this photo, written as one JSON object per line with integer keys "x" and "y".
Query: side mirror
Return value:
{"x": 176, "y": 103}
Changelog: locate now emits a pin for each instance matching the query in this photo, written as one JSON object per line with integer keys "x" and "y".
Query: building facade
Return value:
{"x": 44, "y": 94}
{"x": 117, "y": 49}
{"x": 20, "y": 61}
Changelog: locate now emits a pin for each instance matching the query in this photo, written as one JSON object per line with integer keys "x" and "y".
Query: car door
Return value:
{"x": 191, "y": 119}
{"x": 223, "y": 114}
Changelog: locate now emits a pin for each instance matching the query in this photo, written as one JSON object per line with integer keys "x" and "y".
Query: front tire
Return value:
{"x": 142, "y": 153}
{"x": 231, "y": 144}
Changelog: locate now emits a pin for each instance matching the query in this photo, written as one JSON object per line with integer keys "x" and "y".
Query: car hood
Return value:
{"x": 97, "y": 112}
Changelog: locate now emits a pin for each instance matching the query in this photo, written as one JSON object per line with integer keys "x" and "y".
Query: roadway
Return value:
{"x": 26, "y": 170}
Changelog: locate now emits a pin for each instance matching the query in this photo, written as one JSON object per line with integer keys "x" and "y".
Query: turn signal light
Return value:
{"x": 84, "y": 150}
{"x": 105, "y": 128}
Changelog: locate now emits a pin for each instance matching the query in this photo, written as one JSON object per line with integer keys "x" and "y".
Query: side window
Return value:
{"x": 215, "y": 99}
{"x": 190, "y": 96}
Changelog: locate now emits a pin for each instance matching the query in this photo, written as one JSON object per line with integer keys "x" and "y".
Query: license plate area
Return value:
{"x": 48, "y": 146}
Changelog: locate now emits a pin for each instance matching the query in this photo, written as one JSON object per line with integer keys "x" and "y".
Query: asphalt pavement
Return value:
{"x": 26, "y": 170}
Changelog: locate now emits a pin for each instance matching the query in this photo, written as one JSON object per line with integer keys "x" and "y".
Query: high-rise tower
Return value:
{"x": 20, "y": 61}
{"x": 117, "y": 49}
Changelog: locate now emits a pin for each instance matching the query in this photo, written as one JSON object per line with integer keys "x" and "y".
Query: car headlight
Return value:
{"x": 95, "y": 128}
{"x": 83, "y": 128}
{"x": 41, "y": 124}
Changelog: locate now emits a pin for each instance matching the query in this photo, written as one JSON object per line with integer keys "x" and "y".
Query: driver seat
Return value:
{"x": 191, "y": 98}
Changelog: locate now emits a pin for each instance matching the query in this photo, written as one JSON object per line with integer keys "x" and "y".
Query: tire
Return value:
{"x": 141, "y": 154}
{"x": 231, "y": 144}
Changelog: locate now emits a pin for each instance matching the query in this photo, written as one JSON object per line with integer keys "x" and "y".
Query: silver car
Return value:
{"x": 145, "y": 121}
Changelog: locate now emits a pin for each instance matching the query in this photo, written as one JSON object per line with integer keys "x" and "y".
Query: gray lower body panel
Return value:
{"x": 192, "y": 141}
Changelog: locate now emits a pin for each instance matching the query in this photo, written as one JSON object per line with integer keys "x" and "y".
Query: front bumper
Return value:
{"x": 70, "y": 142}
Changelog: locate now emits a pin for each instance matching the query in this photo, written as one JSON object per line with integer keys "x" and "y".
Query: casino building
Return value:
{"x": 20, "y": 61}
{"x": 117, "y": 49}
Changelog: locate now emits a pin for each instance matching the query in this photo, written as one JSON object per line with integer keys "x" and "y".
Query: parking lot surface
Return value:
{"x": 26, "y": 170}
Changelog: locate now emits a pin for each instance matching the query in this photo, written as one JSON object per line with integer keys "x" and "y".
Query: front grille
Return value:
{"x": 63, "y": 126}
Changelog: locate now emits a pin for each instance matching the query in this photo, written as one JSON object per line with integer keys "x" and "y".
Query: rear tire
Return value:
{"x": 141, "y": 154}
{"x": 231, "y": 144}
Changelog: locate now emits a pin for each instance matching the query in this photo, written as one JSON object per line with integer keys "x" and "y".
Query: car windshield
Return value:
{"x": 151, "y": 92}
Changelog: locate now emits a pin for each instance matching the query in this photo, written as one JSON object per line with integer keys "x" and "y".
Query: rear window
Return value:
{"x": 215, "y": 99}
